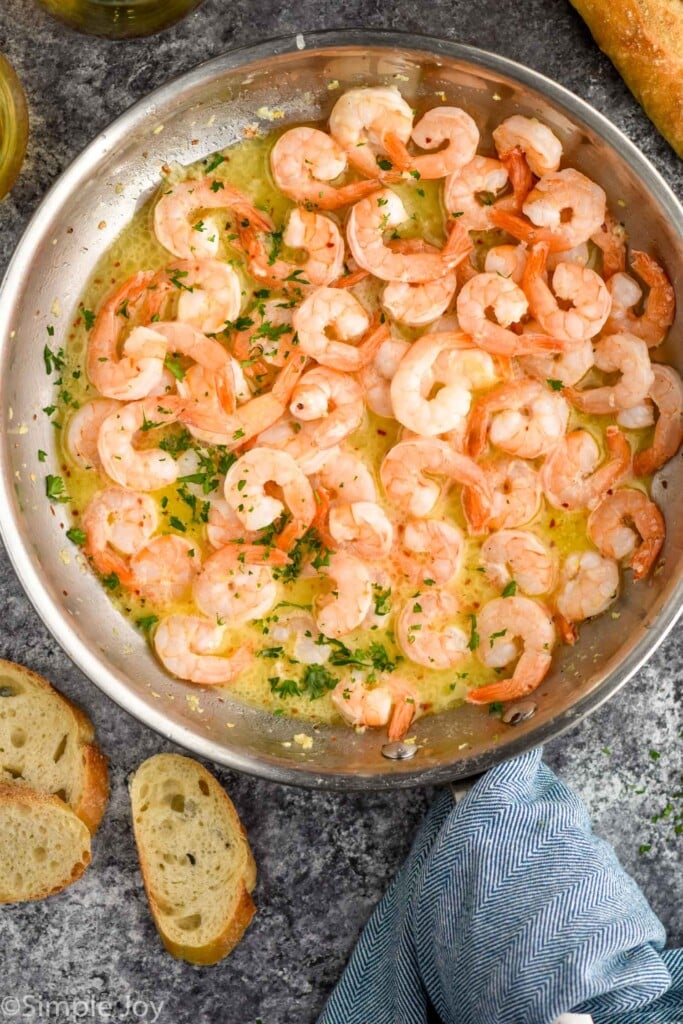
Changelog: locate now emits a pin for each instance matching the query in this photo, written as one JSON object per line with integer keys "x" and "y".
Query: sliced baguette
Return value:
{"x": 196, "y": 863}
{"x": 44, "y": 846}
{"x": 46, "y": 743}
{"x": 644, "y": 40}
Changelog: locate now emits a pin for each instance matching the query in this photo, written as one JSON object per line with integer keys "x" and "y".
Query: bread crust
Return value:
{"x": 644, "y": 40}
{"x": 13, "y": 795}
{"x": 243, "y": 908}
{"x": 94, "y": 795}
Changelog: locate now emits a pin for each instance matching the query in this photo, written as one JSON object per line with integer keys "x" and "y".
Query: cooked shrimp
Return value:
{"x": 305, "y": 160}
{"x": 342, "y": 609}
{"x": 426, "y": 632}
{"x": 418, "y": 304}
{"x": 565, "y": 367}
{"x": 245, "y": 490}
{"x": 589, "y": 583}
{"x": 138, "y": 470}
{"x": 431, "y": 389}
{"x": 513, "y": 628}
{"x": 610, "y": 238}
{"x": 117, "y": 523}
{"x": 83, "y": 430}
{"x": 267, "y": 338}
{"x": 469, "y": 193}
{"x": 540, "y": 145}
{"x": 507, "y": 261}
{"x": 163, "y": 569}
{"x": 363, "y": 706}
{"x": 628, "y": 525}
{"x": 578, "y": 256}
{"x": 313, "y": 233}
{"x": 299, "y": 440}
{"x": 486, "y": 293}
{"x": 223, "y": 527}
{"x": 617, "y": 353}
{"x": 184, "y": 339}
{"x": 520, "y": 557}
{"x": 328, "y": 321}
{"x": 362, "y": 119}
{"x": 190, "y": 647}
{"x": 214, "y": 395}
{"x": 429, "y": 550}
{"x": 188, "y": 238}
{"x": 660, "y": 306}
{"x": 209, "y": 293}
{"x": 583, "y": 288}
{"x": 233, "y": 430}
{"x": 236, "y": 584}
{"x": 372, "y": 217}
{"x": 414, "y": 475}
{"x": 331, "y": 400}
{"x": 571, "y": 475}
{"x": 375, "y": 377}
{"x": 140, "y": 368}
{"x": 362, "y": 526}
{"x": 666, "y": 391}
{"x": 346, "y": 477}
{"x": 523, "y": 418}
{"x": 564, "y": 209}
{"x": 638, "y": 417}
{"x": 516, "y": 497}
{"x": 438, "y": 125}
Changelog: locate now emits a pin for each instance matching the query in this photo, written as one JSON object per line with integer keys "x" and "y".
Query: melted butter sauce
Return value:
{"x": 246, "y": 165}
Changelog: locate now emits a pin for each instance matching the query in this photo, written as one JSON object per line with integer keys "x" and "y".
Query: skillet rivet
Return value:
{"x": 519, "y": 713}
{"x": 399, "y": 751}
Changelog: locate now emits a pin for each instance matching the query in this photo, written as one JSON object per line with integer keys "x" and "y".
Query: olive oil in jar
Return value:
{"x": 118, "y": 20}
{"x": 13, "y": 126}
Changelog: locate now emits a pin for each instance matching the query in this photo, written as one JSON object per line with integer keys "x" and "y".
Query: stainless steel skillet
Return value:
{"x": 78, "y": 219}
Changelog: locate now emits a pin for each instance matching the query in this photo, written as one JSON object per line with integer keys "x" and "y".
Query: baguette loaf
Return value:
{"x": 44, "y": 846}
{"x": 196, "y": 863}
{"x": 46, "y": 743}
{"x": 644, "y": 40}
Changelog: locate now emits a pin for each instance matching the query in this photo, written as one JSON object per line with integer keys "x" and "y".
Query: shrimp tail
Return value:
{"x": 522, "y": 229}
{"x": 321, "y": 518}
{"x": 350, "y": 280}
{"x": 401, "y": 718}
{"x": 611, "y": 240}
{"x": 521, "y": 179}
{"x": 377, "y": 333}
{"x": 569, "y": 631}
{"x": 458, "y": 245}
{"x": 347, "y": 194}
{"x": 530, "y": 670}
{"x": 397, "y": 152}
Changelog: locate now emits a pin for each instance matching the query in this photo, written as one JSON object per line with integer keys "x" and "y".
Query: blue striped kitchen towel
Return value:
{"x": 509, "y": 910}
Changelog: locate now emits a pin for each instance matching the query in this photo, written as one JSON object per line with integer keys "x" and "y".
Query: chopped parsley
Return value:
{"x": 146, "y": 622}
{"x": 76, "y": 535}
{"x": 174, "y": 367}
{"x": 89, "y": 318}
{"x": 473, "y": 641}
{"x": 55, "y": 489}
{"x": 510, "y": 589}
{"x": 555, "y": 385}
{"x": 382, "y": 599}
{"x": 54, "y": 361}
{"x": 213, "y": 162}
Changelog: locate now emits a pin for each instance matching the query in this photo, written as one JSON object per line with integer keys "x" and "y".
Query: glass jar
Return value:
{"x": 13, "y": 126}
{"x": 119, "y": 20}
